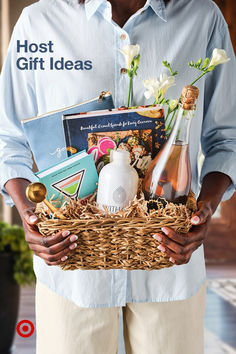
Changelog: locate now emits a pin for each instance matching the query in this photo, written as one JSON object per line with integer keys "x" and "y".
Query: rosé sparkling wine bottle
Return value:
{"x": 169, "y": 175}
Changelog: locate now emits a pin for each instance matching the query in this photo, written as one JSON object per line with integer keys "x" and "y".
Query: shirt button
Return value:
{"x": 143, "y": 12}
{"x": 123, "y": 37}
{"x": 123, "y": 71}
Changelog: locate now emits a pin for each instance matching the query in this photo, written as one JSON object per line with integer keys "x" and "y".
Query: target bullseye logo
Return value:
{"x": 25, "y": 328}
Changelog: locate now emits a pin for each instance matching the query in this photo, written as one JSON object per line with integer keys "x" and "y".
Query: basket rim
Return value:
{"x": 111, "y": 220}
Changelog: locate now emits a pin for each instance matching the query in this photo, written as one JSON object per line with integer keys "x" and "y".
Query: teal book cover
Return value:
{"x": 74, "y": 177}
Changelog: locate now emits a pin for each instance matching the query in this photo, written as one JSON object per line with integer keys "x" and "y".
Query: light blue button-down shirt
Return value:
{"x": 184, "y": 30}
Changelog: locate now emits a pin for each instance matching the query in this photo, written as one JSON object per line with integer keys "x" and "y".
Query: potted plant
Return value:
{"x": 16, "y": 268}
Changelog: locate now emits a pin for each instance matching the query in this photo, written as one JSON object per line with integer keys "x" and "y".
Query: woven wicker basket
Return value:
{"x": 118, "y": 241}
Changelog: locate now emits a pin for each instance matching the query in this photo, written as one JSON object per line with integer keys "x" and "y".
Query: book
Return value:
{"x": 140, "y": 130}
{"x": 74, "y": 177}
{"x": 45, "y": 133}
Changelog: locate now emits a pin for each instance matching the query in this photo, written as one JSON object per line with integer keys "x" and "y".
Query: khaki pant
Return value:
{"x": 149, "y": 328}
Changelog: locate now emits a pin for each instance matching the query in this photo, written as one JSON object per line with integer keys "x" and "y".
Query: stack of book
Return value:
{"x": 70, "y": 148}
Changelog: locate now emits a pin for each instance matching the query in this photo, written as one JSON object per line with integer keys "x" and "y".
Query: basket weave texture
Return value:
{"x": 117, "y": 241}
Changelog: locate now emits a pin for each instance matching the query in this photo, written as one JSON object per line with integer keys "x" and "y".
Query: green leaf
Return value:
{"x": 12, "y": 239}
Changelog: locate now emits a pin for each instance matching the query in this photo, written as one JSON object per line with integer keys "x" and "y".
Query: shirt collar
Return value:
{"x": 158, "y": 6}
{"x": 92, "y": 6}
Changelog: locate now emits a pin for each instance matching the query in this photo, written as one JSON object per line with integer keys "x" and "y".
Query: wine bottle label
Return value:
{"x": 113, "y": 209}
{"x": 119, "y": 197}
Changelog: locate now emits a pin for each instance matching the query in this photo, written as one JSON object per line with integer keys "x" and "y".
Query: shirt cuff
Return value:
{"x": 221, "y": 162}
{"x": 18, "y": 171}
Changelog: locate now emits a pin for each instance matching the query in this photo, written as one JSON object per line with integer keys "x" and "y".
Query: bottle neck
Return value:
{"x": 182, "y": 136}
{"x": 119, "y": 157}
{"x": 121, "y": 162}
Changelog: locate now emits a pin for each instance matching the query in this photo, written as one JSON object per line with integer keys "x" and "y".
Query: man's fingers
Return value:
{"x": 55, "y": 249}
{"x": 201, "y": 216}
{"x": 56, "y": 258}
{"x": 167, "y": 242}
{"x": 55, "y": 239}
{"x": 174, "y": 257}
{"x": 33, "y": 236}
{"x": 41, "y": 255}
{"x": 178, "y": 249}
{"x": 171, "y": 235}
{"x": 197, "y": 234}
{"x": 30, "y": 217}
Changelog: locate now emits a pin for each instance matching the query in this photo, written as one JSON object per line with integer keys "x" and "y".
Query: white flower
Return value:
{"x": 153, "y": 88}
{"x": 219, "y": 56}
{"x": 173, "y": 104}
{"x": 156, "y": 88}
{"x": 130, "y": 52}
{"x": 166, "y": 82}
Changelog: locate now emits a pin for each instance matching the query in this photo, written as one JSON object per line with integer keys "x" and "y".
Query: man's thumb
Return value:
{"x": 30, "y": 217}
{"x": 201, "y": 216}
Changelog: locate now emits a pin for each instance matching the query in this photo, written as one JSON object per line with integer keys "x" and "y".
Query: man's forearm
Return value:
{"x": 16, "y": 189}
{"x": 213, "y": 188}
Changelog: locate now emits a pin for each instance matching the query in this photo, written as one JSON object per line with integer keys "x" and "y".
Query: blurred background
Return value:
{"x": 220, "y": 247}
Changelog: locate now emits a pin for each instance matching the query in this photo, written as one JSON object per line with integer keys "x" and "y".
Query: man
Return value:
{"x": 163, "y": 311}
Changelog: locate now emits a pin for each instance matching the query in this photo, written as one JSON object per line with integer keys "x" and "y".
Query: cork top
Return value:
{"x": 189, "y": 97}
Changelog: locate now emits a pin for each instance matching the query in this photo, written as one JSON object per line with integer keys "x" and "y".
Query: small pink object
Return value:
{"x": 105, "y": 144}
{"x": 94, "y": 150}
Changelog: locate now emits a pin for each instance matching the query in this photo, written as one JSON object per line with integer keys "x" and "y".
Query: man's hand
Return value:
{"x": 179, "y": 247}
{"x": 52, "y": 249}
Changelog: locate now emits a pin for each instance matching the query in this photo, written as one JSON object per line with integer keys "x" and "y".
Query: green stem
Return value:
{"x": 167, "y": 116}
{"x": 199, "y": 77}
{"x": 160, "y": 99}
{"x": 129, "y": 94}
{"x": 169, "y": 125}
